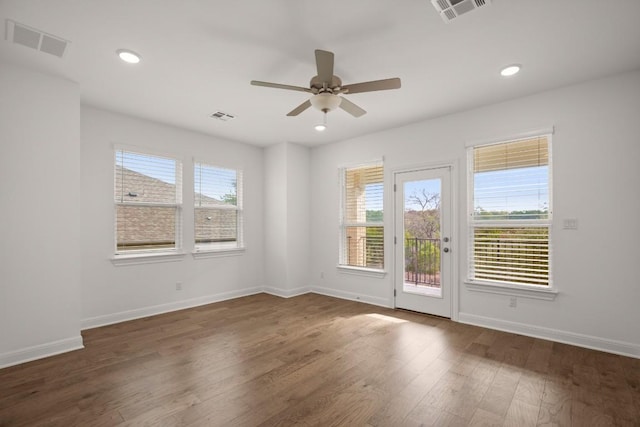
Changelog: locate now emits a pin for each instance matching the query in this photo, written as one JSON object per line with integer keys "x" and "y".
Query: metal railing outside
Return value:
{"x": 422, "y": 261}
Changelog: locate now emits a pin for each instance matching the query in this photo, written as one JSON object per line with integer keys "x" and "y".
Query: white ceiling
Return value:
{"x": 200, "y": 55}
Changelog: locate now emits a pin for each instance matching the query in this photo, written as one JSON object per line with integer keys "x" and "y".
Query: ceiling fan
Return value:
{"x": 326, "y": 88}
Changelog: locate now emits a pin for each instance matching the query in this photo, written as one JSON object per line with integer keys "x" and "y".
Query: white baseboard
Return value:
{"x": 286, "y": 293}
{"x": 123, "y": 316}
{"x": 611, "y": 346}
{"x": 40, "y": 351}
{"x": 382, "y": 302}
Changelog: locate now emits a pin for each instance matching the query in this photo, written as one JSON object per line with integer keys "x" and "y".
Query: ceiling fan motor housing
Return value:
{"x": 318, "y": 86}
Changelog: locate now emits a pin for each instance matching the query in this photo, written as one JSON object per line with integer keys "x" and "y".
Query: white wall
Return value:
{"x": 596, "y": 152}
{"x": 112, "y": 293}
{"x": 287, "y": 235}
{"x": 40, "y": 243}
{"x": 298, "y": 207}
{"x": 275, "y": 217}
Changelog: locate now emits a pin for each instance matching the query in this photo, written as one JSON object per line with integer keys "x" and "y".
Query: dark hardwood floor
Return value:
{"x": 316, "y": 360}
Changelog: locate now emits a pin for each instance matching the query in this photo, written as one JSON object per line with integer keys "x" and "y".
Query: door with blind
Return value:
{"x": 423, "y": 240}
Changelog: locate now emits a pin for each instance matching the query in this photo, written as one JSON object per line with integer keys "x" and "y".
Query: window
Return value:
{"x": 361, "y": 226}
{"x": 218, "y": 208}
{"x": 148, "y": 201}
{"x": 510, "y": 212}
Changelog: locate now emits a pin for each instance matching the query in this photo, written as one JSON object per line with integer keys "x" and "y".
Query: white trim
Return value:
{"x": 123, "y": 316}
{"x": 547, "y": 294}
{"x": 361, "y": 271}
{"x": 456, "y": 236}
{"x": 375, "y": 162}
{"x": 566, "y": 337}
{"x": 216, "y": 253}
{"x": 40, "y": 351}
{"x": 146, "y": 258}
{"x": 381, "y": 302}
{"x": 286, "y": 293}
{"x": 198, "y": 159}
{"x": 448, "y": 164}
{"x": 143, "y": 149}
{"x": 549, "y": 130}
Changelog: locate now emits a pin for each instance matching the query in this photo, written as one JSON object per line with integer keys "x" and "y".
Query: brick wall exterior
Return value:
{"x": 140, "y": 226}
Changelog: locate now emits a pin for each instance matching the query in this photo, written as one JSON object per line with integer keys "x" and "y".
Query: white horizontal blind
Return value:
{"x": 362, "y": 230}
{"x": 512, "y": 254}
{"x": 218, "y": 207}
{"x": 148, "y": 196}
{"x": 510, "y": 221}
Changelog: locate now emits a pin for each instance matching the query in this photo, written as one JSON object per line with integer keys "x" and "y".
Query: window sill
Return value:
{"x": 147, "y": 258}
{"x": 215, "y": 253}
{"x": 361, "y": 271}
{"x": 512, "y": 290}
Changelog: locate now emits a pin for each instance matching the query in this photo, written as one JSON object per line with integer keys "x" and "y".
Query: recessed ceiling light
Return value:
{"x": 129, "y": 56}
{"x": 510, "y": 70}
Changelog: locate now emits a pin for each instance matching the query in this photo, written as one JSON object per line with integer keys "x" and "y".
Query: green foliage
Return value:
{"x": 480, "y": 213}
{"x": 374, "y": 247}
{"x": 374, "y": 216}
{"x": 230, "y": 199}
{"x": 421, "y": 255}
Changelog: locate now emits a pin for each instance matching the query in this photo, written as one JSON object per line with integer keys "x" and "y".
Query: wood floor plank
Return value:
{"x": 317, "y": 360}
{"x": 521, "y": 414}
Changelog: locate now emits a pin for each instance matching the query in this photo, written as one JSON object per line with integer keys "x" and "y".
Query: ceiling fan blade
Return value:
{"x": 300, "y": 108}
{"x": 279, "y": 86}
{"x": 324, "y": 63}
{"x": 351, "y": 108}
{"x": 385, "y": 84}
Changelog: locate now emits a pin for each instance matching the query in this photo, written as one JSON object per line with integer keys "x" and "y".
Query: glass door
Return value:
{"x": 423, "y": 237}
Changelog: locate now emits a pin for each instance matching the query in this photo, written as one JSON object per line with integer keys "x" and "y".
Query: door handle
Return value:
{"x": 446, "y": 250}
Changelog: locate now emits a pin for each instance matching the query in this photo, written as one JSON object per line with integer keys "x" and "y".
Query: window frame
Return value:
{"x": 544, "y": 292}
{"x": 149, "y": 255}
{"x": 342, "y": 266}
{"x": 214, "y": 249}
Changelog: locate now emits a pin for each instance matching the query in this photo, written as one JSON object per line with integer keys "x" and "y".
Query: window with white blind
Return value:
{"x": 510, "y": 212}
{"x": 218, "y": 208}
{"x": 148, "y": 198}
{"x": 361, "y": 225}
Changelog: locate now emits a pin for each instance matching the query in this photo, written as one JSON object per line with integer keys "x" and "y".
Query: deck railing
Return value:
{"x": 422, "y": 261}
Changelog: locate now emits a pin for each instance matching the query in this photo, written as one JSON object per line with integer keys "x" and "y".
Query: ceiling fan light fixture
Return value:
{"x": 321, "y": 127}
{"x": 511, "y": 70}
{"x": 325, "y": 101}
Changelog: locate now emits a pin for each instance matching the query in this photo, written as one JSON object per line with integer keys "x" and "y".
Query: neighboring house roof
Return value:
{"x": 134, "y": 186}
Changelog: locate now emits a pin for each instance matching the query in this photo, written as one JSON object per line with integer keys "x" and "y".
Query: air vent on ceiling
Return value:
{"x": 219, "y": 115}
{"x": 35, "y": 39}
{"x": 451, "y": 9}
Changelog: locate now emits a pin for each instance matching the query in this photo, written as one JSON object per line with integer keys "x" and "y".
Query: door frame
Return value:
{"x": 455, "y": 228}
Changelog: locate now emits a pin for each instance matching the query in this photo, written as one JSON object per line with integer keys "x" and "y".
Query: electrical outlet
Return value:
{"x": 513, "y": 302}
{"x": 178, "y": 286}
